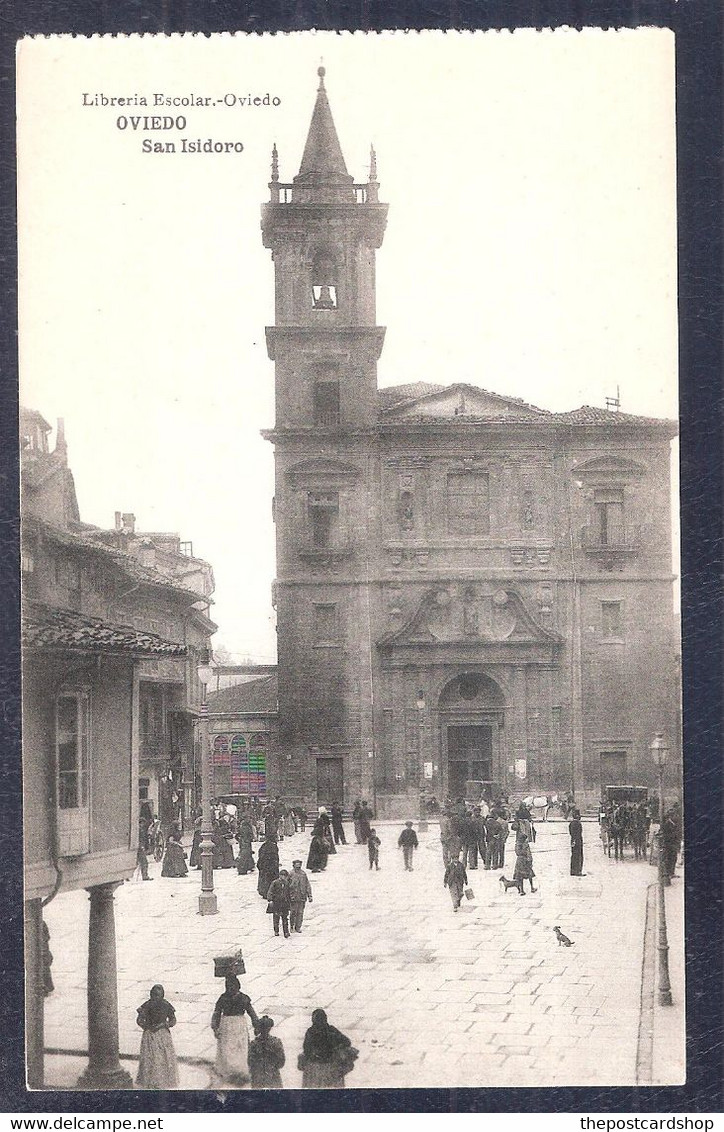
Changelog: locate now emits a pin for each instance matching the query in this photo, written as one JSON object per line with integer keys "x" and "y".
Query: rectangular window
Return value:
{"x": 468, "y": 504}
{"x": 323, "y": 510}
{"x": 325, "y": 626}
{"x": 326, "y": 402}
{"x": 608, "y": 507}
{"x": 72, "y": 729}
{"x": 611, "y": 620}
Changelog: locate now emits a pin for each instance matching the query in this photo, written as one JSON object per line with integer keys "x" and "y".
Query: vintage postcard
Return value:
{"x": 349, "y": 561}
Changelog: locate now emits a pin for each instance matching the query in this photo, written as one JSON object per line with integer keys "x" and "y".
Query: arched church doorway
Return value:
{"x": 472, "y": 709}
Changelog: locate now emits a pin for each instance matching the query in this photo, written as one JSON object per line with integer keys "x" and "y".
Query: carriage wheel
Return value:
{"x": 158, "y": 848}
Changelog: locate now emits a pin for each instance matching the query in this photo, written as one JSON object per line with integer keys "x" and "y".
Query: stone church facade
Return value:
{"x": 469, "y": 587}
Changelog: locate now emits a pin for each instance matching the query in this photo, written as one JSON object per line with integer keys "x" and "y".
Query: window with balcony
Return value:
{"x": 468, "y": 504}
{"x": 323, "y": 512}
{"x": 72, "y": 736}
{"x": 326, "y": 402}
{"x": 608, "y": 527}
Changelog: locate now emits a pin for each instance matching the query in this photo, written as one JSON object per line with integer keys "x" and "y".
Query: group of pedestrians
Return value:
{"x": 474, "y": 833}
{"x": 327, "y": 1055}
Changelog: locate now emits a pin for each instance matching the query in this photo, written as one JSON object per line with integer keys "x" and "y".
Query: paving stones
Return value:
{"x": 485, "y": 997}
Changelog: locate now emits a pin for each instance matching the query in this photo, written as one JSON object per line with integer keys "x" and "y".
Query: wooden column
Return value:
{"x": 104, "y": 1068}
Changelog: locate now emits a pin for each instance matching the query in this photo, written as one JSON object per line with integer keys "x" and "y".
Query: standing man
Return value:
{"x": 373, "y": 849}
{"x": 279, "y": 902}
{"x": 300, "y": 891}
{"x": 455, "y": 880}
{"x": 337, "y": 825}
{"x": 408, "y": 843}
{"x": 365, "y": 816}
{"x": 469, "y": 837}
{"x": 357, "y": 823}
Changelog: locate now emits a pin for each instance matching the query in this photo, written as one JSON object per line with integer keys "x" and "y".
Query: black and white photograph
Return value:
{"x": 350, "y": 561}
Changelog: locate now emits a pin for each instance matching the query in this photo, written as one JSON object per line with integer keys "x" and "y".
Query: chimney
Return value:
{"x": 128, "y": 523}
{"x": 119, "y": 523}
{"x": 61, "y": 448}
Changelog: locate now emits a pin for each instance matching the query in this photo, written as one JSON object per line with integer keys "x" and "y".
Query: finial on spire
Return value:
{"x": 275, "y": 163}
{"x": 373, "y": 164}
{"x": 321, "y": 71}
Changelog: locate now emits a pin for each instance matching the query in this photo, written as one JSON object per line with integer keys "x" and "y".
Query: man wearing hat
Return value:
{"x": 408, "y": 843}
{"x": 300, "y": 891}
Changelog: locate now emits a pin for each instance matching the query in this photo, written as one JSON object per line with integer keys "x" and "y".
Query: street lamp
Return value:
{"x": 420, "y": 704}
{"x": 207, "y": 896}
{"x": 659, "y": 753}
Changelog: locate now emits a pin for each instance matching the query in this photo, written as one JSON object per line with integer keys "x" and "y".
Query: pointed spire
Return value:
{"x": 373, "y": 165}
{"x": 275, "y": 163}
{"x": 322, "y": 153}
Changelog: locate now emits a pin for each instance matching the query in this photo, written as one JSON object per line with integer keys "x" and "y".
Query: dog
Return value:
{"x": 563, "y": 940}
{"x": 509, "y": 883}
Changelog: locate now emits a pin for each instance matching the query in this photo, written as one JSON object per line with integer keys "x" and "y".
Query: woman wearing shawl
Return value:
{"x": 232, "y": 1034}
{"x": 223, "y": 854}
{"x": 245, "y": 836}
{"x": 267, "y": 863}
{"x": 157, "y": 1064}
{"x": 327, "y": 1055}
{"x": 318, "y": 852}
{"x": 174, "y": 861}
{"x": 524, "y": 835}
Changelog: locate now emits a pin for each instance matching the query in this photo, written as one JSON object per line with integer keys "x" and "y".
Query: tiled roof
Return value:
{"x": 49, "y": 627}
{"x": 253, "y": 696}
{"x": 397, "y": 394}
{"x": 126, "y": 562}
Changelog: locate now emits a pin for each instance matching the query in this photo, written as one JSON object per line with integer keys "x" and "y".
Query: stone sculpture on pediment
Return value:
{"x": 465, "y": 612}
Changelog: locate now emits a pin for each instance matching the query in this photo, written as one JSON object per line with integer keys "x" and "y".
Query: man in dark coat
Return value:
{"x": 365, "y": 821}
{"x": 337, "y": 825}
{"x": 279, "y": 897}
{"x": 575, "y": 830}
{"x": 455, "y": 880}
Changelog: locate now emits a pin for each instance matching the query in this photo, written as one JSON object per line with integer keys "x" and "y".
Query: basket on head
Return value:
{"x": 229, "y": 965}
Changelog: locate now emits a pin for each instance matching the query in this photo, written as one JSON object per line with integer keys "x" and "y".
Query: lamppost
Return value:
{"x": 660, "y": 753}
{"x": 207, "y": 896}
{"x": 420, "y": 704}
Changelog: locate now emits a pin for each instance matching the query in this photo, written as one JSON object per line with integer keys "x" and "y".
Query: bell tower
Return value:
{"x": 323, "y": 230}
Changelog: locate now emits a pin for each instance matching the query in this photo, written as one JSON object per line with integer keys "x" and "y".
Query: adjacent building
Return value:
{"x": 106, "y": 640}
{"x": 469, "y": 587}
{"x": 244, "y": 739}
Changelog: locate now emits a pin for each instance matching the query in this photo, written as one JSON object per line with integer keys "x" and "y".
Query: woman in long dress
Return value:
{"x": 232, "y": 1033}
{"x": 245, "y": 836}
{"x": 174, "y": 861}
{"x": 267, "y": 863}
{"x": 195, "y": 858}
{"x": 157, "y": 1067}
{"x": 524, "y": 834}
{"x": 317, "y": 859}
{"x": 575, "y": 830}
{"x": 327, "y": 1055}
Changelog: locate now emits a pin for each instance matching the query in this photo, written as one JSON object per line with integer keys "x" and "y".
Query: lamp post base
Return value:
{"x": 207, "y": 904}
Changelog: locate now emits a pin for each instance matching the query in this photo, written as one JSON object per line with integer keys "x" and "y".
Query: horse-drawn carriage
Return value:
{"x": 625, "y": 818}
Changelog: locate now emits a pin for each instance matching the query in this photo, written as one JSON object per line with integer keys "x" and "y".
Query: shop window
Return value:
{"x": 323, "y": 511}
{"x": 468, "y": 504}
{"x": 72, "y": 735}
{"x": 326, "y": 402}
{"x": 611, "y": 620}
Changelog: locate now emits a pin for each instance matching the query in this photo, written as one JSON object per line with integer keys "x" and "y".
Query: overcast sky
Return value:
{"x": 530, "y": 249}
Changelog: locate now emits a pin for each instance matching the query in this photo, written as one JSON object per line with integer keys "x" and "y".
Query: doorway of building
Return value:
{"x": 330, "y": 781}
{"x": 613, "y": 768}
{"x": 469, "y": 756}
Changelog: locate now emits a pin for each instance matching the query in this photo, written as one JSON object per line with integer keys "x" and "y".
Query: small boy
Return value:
{"x": 373, "y": 849}
{"x": 408, "y": 843}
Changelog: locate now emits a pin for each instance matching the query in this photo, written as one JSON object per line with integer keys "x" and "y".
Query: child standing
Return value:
{"x": 408, "y": 843}
{"x": 373, "y": 849}
{"x": 266, "y": 1057}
